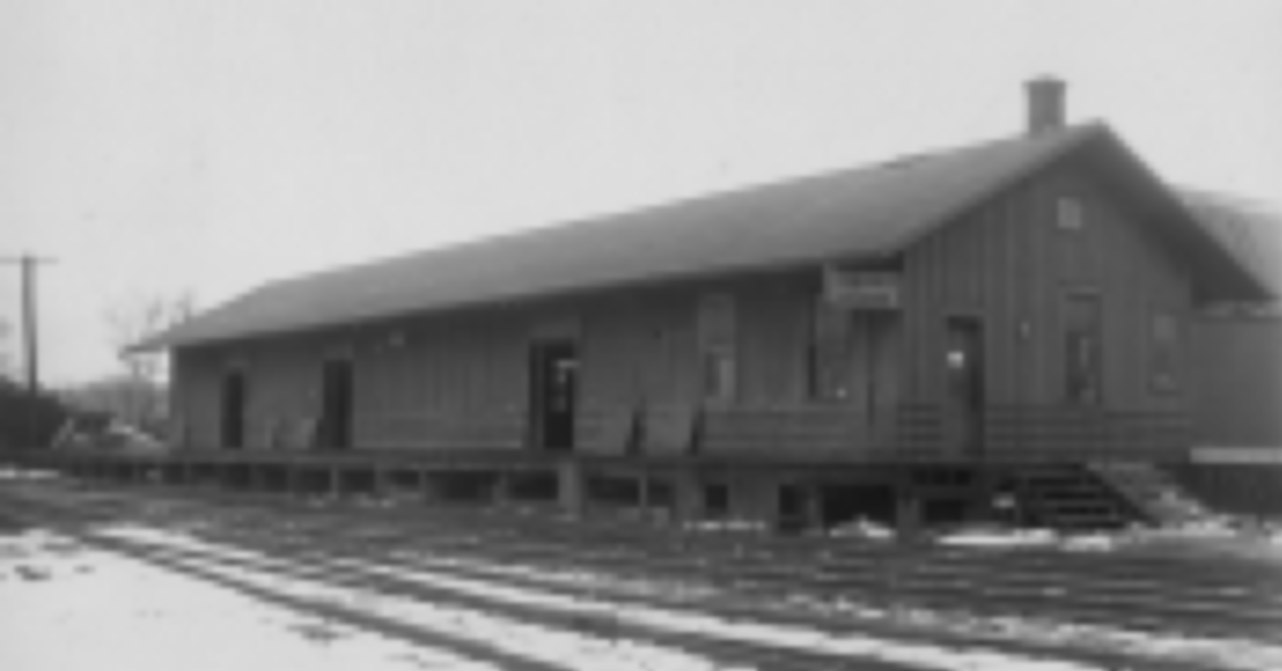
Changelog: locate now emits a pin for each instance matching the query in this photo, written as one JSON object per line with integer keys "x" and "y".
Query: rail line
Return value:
{"x": 262, "y": 576}
{"x": 1146, "y": 593}
{"x": 748, "y": 577}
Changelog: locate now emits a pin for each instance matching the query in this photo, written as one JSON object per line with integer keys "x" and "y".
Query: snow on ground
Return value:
{"x": 1222, "y": 653}
{"x": 9, "y": 473}
{"x": 1210, "y": 536}
{"x": 865, "y": 529}
{"x": 547, "y": 645}
{"x": 982, "y": 537}
{"x": 852, "y": 643}
{"x": 64, "y": 607}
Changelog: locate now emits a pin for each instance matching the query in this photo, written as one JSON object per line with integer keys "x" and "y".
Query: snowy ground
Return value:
{"x": 64, "y": 607}
{"x": 67, "y": 606}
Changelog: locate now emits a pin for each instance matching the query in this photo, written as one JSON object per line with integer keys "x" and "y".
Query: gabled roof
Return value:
{"x": 1249, "y": 231}
{"x": 868, "y": 212}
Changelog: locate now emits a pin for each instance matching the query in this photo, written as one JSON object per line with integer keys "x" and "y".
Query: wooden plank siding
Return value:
{"x": 1010, "y": 265}
{"x": 461, "y": 378}
{"x": 1238, "y": 371}
{"x": 194, "y": 398}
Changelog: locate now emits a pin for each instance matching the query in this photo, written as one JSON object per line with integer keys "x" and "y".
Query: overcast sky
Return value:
{"x": 161, "y": 147}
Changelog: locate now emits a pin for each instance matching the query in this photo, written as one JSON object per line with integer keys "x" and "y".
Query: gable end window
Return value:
{"x": 1070, "y": 214}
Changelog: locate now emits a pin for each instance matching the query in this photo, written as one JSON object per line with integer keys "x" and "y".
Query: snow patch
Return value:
{"x": 999, "y": 538}
{"x": 802, "y": 639}
{"x": 97, "y": 611}
{"x": 10, "y": 473}
{"x": 862, "y": 528}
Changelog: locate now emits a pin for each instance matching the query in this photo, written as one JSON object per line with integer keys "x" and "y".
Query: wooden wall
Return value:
{"x": 1009, "y": 264}
{"x": 1238, "y": 369}
{"x": 461, "y": 379}
{"x": 194, "y": 399}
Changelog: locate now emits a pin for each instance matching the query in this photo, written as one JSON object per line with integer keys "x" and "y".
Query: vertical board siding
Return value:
{"x": 774, "y": 333}
{"x": 1238, "y": 368}
{"x": 461, "y": 379}
{"x": 195, "y": 398}
{"x": 1009, "y": 264}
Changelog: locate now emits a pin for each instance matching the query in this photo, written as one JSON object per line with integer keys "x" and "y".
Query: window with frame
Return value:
{"x": 1070, "y": 213}
{"x": 828, "y": 353}
{"x": 717, "y": 350}
{"x": 1164, "y": 351}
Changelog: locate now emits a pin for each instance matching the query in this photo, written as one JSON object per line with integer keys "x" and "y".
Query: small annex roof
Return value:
{"x": 1250, "y": 231}
{"x": 868, "y": 212}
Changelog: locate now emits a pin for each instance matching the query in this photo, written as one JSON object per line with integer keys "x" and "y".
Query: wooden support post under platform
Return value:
{"x": 291, "y": 487}
{"x": 570, "y": 487}
{"x": 688, "y": 495}
{"x": 643, "y": 492}
{"x": 501, "y": 490}
{"x": 428, "y": 485}
{"x": 908, "y": 514}
{"x": 814, "y": 508}
{"x": 335, "y": 485}
{"x": 381, "y": 487}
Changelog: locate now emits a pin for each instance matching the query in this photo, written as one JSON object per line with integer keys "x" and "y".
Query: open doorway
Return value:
{"x": 964, "y": 368}
{"x": 842, "y": 503}
{"x": 335, "y": 430}
{"x": 233, "y": 410}
{"x": 1083, "y": 349}
{"x": 554, "y": 367}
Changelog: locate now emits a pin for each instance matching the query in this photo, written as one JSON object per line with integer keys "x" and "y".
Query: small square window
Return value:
{"x": 1070, "y": 214}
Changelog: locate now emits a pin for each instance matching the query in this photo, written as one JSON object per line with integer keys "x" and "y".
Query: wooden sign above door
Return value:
{"x": 861, "y": 289}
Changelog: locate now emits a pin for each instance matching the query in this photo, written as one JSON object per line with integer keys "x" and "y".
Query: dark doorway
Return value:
{"x": 1083, "y": 355}
{"x": 843, "y": 503}
{"x": 964, "y": 372}
{"x": 335, "y": 431}
{"x": 554, "y": 368}
{"x": 233, "y": 419}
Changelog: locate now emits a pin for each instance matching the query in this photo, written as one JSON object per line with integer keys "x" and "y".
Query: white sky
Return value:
{"x": 158, "y": 147}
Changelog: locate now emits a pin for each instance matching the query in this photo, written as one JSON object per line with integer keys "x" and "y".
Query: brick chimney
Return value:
{"x": 1045, "y": 104}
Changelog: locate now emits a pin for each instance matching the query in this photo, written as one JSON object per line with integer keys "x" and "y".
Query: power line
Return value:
{"x": 29, "y": 263}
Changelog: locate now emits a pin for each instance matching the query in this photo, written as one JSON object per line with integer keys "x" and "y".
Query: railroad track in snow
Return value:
{"x": 747, "y": 579}
{"x": 1146, "y": 593}
{"x": 321, "y": 582}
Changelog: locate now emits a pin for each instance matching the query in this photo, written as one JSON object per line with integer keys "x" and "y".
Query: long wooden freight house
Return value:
{"x": 901, "y": 326}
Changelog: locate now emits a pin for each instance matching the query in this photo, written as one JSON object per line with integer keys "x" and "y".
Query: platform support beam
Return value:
{"x": 908, "y": 514}
{"x": 570, "y": 487}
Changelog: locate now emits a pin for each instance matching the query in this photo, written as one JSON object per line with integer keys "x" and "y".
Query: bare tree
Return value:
{"x": 140, "y": 396}
{"x": 134, "y": 322}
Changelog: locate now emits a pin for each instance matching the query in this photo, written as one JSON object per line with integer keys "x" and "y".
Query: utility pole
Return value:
{"x": 29, "y": 263}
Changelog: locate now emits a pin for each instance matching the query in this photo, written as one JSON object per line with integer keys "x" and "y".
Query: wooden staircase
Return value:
{"x": 1103, "y": 495}
{"x": 1069, "y": 497}
{"x": 1151, "y": 493}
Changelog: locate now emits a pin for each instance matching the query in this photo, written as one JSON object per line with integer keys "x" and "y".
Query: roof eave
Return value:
{"x": 174, "y": 339}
